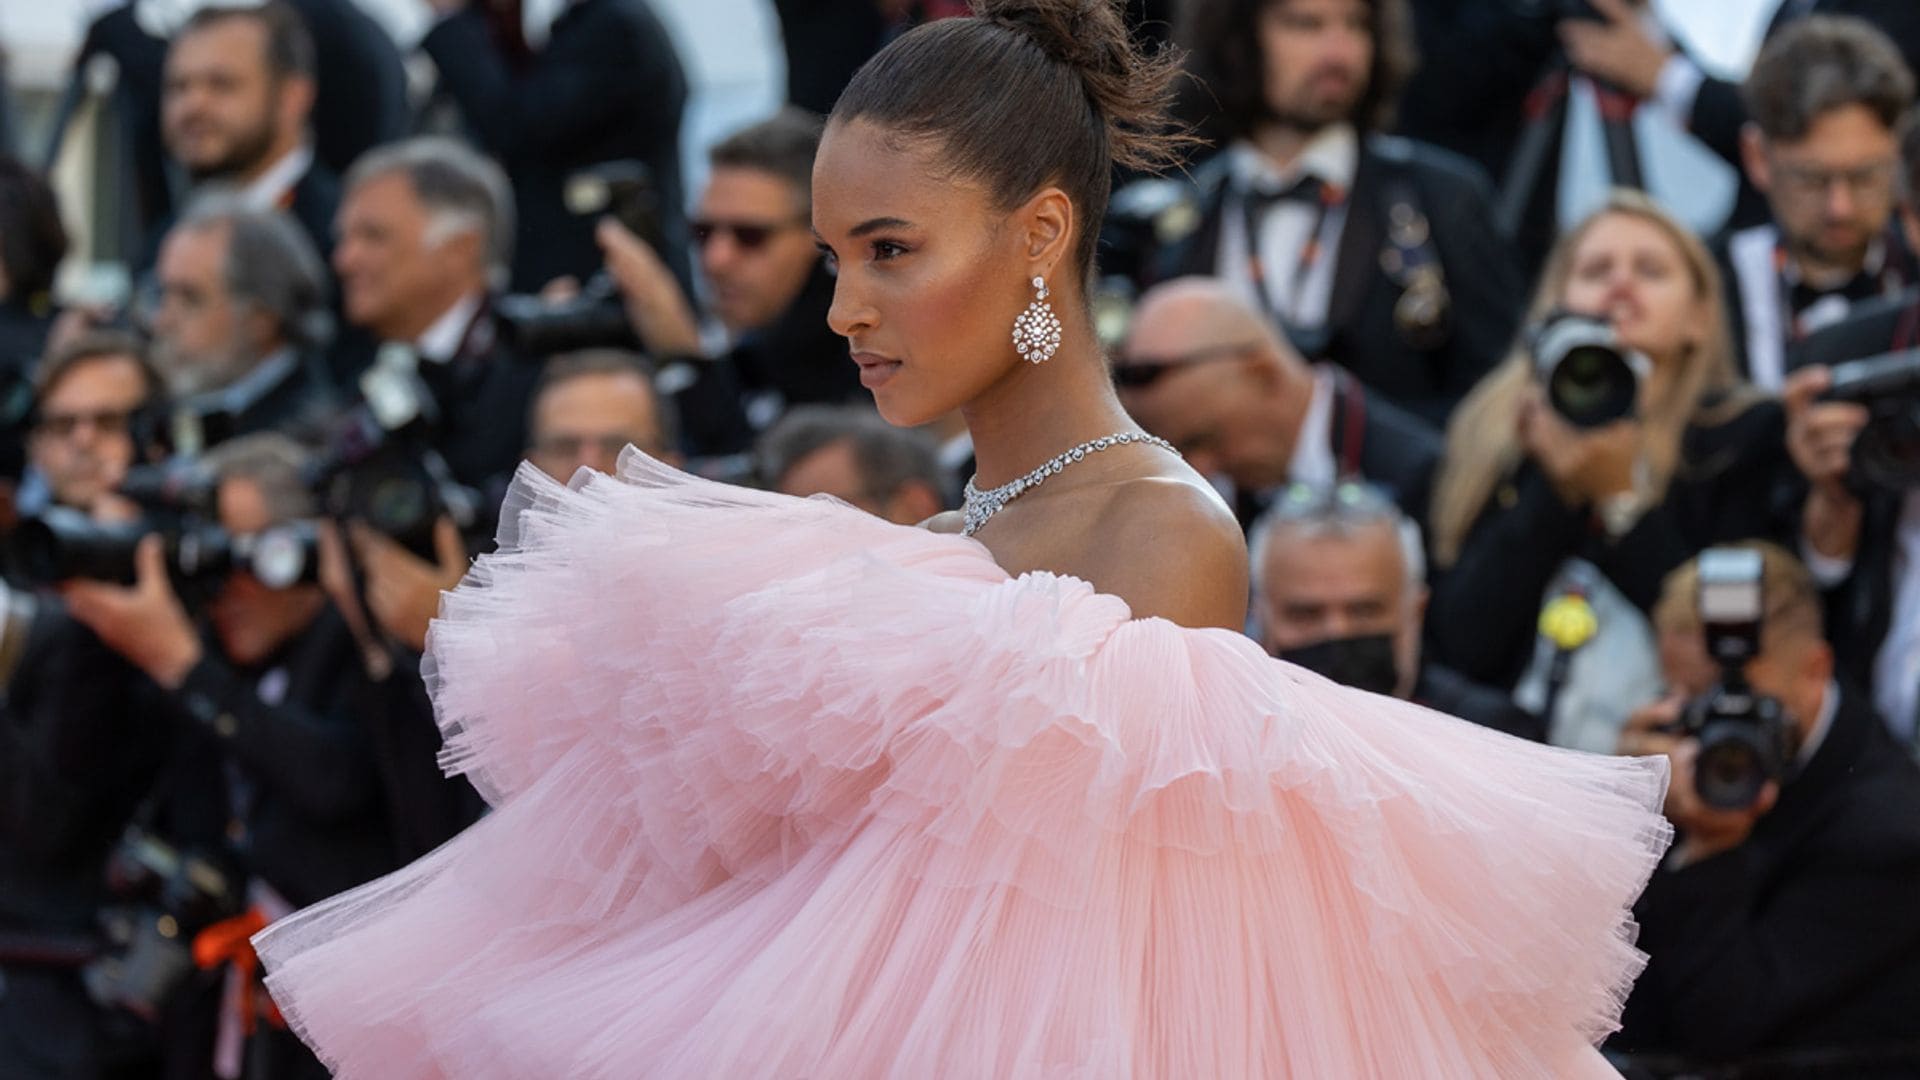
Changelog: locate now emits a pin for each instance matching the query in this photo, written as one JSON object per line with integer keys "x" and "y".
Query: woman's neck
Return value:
{"x": 1038, "y": 410}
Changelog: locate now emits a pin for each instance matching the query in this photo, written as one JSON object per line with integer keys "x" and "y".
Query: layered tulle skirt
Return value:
{"x": 782, "y": 790}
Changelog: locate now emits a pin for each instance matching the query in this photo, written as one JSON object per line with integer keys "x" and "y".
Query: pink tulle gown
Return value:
{"x": 782, "y": 790}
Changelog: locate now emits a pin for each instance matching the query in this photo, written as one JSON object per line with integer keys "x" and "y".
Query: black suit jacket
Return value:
{"x": 1482, "y": 278}
{"x": 1374, "y": 440}
{"x": 1482, "y": 616}
{"x": 482, "y": 394}
{"x": 1807, "y": 935}
{"x": 607, "y": 87}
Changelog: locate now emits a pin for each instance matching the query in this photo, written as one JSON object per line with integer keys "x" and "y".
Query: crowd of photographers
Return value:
{"x": 1551, "y": 455}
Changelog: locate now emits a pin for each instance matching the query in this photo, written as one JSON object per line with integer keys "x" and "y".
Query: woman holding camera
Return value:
{"x": 1529, "y": 507}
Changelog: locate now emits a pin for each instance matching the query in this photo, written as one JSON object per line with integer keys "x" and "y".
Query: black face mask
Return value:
{"x": 1365, "y": 663}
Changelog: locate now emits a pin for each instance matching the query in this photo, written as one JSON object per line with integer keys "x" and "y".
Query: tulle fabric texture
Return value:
{"x": 782, "y": 790}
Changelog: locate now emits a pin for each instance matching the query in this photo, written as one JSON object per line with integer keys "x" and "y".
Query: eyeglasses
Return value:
{"x": 1133, "y": 372}
{"x": 1344, "y": 500}
{"x": 747, "y": 235}
{"x": 1808, "y": 182}
{"x": 63, "y": 425}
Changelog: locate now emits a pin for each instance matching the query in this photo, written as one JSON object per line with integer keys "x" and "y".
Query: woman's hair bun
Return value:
{"x": 1132, "y": 89}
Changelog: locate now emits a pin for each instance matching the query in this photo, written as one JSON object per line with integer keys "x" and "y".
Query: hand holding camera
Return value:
{"x": 658, "y": 309}
{"x": 1820, "y": 439}
{"x": 144, "y": 622}
{"x": 1586, "y": 466}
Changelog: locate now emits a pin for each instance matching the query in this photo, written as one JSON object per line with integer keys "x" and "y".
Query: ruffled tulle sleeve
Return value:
{"x": 783, "y": 790}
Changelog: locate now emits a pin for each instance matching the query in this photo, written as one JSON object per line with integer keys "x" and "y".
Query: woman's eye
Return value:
{"x": 887, "y": 249}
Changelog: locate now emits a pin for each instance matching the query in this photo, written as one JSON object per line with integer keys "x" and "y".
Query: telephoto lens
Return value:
{"x": 1591, "y": 377}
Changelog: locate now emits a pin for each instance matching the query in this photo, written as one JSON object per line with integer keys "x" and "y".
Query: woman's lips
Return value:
{"x": 875, "y": 369}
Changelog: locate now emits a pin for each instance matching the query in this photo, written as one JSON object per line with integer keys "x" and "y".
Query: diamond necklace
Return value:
{"x": 982, "y": 505}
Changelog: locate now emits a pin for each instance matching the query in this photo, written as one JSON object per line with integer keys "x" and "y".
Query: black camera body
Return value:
{"x": 1887, "y": 452}
{"x": 1591, "y": 377}
{"x": 168, "y": 896}
{"x": 1743, "y": 735}
{"x": 595, "y": 319}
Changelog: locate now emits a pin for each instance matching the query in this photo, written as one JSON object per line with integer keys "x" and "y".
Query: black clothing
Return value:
{"x": 607, "y": 87}
{"x": 1859, "y": 609}
{"x": 59, "y": 817}
{"x": 796, "y": 359}
{"x": 482, "y": 394}
{"x": 1899, "y": 269}
{"x": 1425, "y": 372}
{"x": 1372, "y": 440}
{"x": 360, "y": 101}
{"x": 1484, "y": 608}
{"x": 1805, "y": 936}
{"x": 298, "y": 401}
{"x": 826, "y": 42}
{"x": 1440, "y": 687}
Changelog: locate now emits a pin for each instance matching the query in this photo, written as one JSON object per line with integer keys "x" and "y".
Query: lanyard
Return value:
{"x": 1319, "y": 239}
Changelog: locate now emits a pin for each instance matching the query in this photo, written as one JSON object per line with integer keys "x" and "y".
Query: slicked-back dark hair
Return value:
{"x": 1026, "y": 94}
{"x": 1223, "y": 37}
{"x": 1822, "y": 63}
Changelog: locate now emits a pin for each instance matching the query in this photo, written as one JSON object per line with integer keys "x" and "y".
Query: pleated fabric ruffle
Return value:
{"x": 782, "y": 790}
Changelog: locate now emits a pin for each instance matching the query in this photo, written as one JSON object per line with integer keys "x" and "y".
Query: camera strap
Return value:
{"x": 1329, "y": 204}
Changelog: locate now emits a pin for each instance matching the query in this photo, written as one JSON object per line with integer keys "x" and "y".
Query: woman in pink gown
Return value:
{"x": 782, "y": 790}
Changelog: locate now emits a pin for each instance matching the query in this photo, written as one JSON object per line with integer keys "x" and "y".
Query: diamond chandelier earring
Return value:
{"x": 1036, "y": 333}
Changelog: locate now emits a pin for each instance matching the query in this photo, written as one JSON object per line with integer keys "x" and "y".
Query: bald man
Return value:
{"x": 1204, "y": 370}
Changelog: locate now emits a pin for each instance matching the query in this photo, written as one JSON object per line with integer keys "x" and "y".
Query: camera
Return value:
{"x": 597, "y": 318}
{"x": 169, "y": 896}
{"x": 380, "y": 466}
{"x": 1742, "y": 734}
{"x": 65, "y": 543}
{"x": 1887, "y": 451}
{"x": 1591, "y": 377}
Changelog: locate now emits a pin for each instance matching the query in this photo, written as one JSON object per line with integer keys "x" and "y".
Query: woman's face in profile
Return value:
{"x": 1628, "y": 270}
{"x": 928, "y": 276}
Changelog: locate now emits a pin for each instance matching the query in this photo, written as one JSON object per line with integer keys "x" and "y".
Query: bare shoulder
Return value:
{"x": 1170, "y": 547}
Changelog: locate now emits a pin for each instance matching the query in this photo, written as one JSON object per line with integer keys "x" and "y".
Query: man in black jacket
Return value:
{"x": 763, "y": 282}
{"x": 1376, "y": 253}
{"x": 277, "y": 751}
{"x": 236, "y": 102}
{"x": 1783, "y": 935}
{"x": 1202, "y": 369}
{"x": 1340, "y": 587}
{"x": 605, "y": 86}
{"x": 238, "y": 322}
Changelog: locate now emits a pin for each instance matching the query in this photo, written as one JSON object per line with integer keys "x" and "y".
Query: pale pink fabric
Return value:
{"x": 782, "y": 790}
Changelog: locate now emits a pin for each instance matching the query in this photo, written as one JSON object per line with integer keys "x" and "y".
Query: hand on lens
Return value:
{"x": 659, "y": 311}
{"x": 143, "y": 622}
{"x": 1584, "y": 466}
{"x": 403, "y": 590}
{"x": 1618, "y": 50}
{"x": 1704, "y": 830}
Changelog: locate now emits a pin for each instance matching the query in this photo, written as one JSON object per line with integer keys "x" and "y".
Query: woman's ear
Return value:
{"x": 1045, "y": 227}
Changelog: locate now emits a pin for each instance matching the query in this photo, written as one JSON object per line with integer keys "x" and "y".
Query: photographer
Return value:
{"x": 1340, "y": 587}
{"x": 592, "y": 404}
{"x": 765, "y": 283}
{"x": 851, "y": 454}
{"x": 273, "y": 761}
{"x": 238, "y": 323}
{"x": 1782, "y": 930}
{"x": 1532, "y": 504}
{"x": 1860, "y": 536}
{"x": 58, "y": 822}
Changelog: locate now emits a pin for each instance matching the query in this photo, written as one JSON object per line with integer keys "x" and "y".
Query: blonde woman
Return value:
{"x": 1521, "y": 492}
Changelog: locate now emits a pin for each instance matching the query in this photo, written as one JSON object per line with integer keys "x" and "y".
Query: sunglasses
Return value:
{"x": 747, "y": 235}
{"x": 63, "y": 425}
{"x": 1133, "y": 372}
